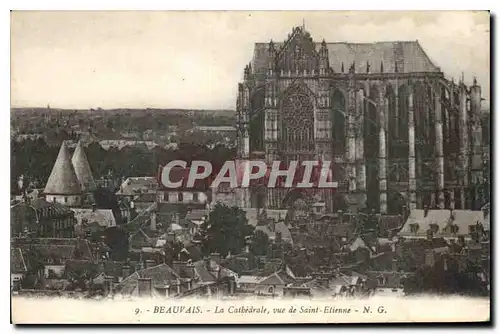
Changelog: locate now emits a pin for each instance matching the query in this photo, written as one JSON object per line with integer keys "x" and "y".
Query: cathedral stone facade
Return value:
{"x": 398, "y": 133}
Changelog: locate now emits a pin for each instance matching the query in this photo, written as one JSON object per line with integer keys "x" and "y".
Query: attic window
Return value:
{"x": 472, "y": 229}
{"x": 434, "y": 228}
{"x": 414, "y": 228}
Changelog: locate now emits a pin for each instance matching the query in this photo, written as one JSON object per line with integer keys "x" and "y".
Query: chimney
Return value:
{"x": 189, "y": 270}
{"x": 232, "y": 286}
{"x": 406, "y": 212}
{"x": 215, "y": 257}
{"x": 144, "y": 287}
{"x": 394, "y": 264}
{"x": 206, "y": 259}
{"x": 153, "y": 221}
{"x": 278, "y": 238}
{"x": 171, "y": 236}
{"x": 94, "y": 207}
{"x": 461, "y": 240}
{"x": 125, "y": 271}
{"x": 108, "y": 285}
{"x": 303, "y": 252}
{"x": 340, "y": 214}
{"x": 272, "y": 225}
{"x": 426, "y": 210}
{"x": 178, "y": 266}
{"x": 430, "y": 234}
{"x": 150, "y": 263}
{"x": 178, "y": 286}
{"x": 163, "y": 290}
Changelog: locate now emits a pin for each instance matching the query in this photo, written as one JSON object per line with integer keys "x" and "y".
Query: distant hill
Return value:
{"x": 130, "y": 111}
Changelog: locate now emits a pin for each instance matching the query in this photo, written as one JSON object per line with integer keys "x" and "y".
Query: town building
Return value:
{"x": 82, "y": 169}
{"x": 63, "y": 185}
{"x": 42, "y": 219}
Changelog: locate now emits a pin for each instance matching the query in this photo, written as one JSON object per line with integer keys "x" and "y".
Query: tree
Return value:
{"x": 106, "y": 199}
{"x": 260, "y": 241}
{"x": 225, "y": 231}
{"x": 437, "y": 280}
{"x": 117, "y": 240}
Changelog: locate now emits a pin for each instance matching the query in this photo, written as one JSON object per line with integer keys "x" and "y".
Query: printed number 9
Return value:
{"x": 137, "y": 311}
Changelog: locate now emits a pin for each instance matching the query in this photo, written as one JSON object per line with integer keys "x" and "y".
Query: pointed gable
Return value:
{"x": 63, "y": 179}
{"x": 386, "y": 57}
{"x": 82, "y": 168}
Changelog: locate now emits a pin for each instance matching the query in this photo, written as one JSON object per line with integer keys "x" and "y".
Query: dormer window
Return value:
{"x": 472, "y": 229}
{"x": 434, "y": 228}
{"x": 414, "y": 228}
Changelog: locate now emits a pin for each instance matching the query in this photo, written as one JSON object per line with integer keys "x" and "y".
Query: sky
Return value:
{"x": 194, "y": 60}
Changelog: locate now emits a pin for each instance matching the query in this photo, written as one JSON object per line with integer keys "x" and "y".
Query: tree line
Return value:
{"x": 34, "y": 159}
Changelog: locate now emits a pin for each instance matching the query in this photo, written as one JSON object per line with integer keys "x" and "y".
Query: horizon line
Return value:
{"x": 124, "y": 108}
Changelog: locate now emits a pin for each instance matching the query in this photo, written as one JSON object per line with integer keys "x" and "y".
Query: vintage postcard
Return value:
{"x": 250, "y": 167}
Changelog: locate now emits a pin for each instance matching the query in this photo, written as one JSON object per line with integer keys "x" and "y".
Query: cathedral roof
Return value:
{"x": 82, "y": 168}
{"x": 63, "y": 179}
{"x": 409, "y": 55}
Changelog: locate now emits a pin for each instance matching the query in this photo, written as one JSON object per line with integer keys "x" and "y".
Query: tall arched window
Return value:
{"x": 371, "y": 149}
{"x": 257, "y": 119}
{"x": 338, "y": 122}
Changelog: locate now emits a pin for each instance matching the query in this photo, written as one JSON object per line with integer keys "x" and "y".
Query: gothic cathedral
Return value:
{"x": 399, "y": 135}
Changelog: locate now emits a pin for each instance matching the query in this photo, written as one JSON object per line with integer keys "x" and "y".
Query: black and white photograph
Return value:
{"x": 250, "y": 167}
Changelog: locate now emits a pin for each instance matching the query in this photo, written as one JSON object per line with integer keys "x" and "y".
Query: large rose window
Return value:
{"x": 297, "y": 121}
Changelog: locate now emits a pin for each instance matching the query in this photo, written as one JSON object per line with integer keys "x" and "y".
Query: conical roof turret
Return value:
{"x": 63, "y": 179}
{"x": 82, "y": 168}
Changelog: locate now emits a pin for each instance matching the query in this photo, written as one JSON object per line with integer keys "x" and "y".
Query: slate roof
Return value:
{"x": 277, "y": 278}
{"x": 140, "y": 237}
{"x": 196, "y": 214}
{"x": 249, "y": 279}
{"x": 63, "y": 179}
{"x": 82, "y": 168}
{"x": 408, "y": 56}
{"x": 193, "y": 252}
{"x": 143, "y": 218}
{"x": 137, "y": 185}
{"x": 22, "y": 210}
{"x": 160, "y": 275}
{"x": 17, "y": 263}
{"x": 59, "y": 250}
{"x": 104, "y": 217}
